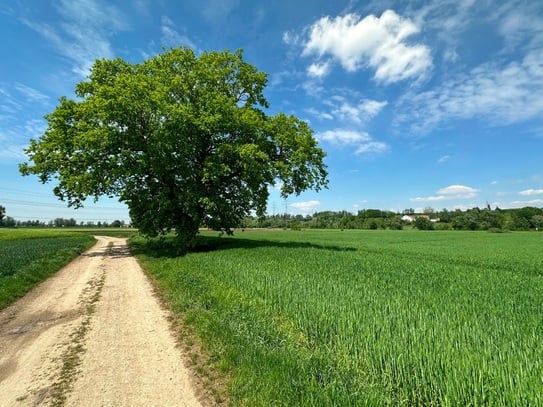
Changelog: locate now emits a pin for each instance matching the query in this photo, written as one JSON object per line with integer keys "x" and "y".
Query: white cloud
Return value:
{"x": 521, "y": 204}
{"x": 170, "y": 37}
{"x": 312, "y": 88}
{"x": 449, "y": 193}
{"x": 519, "y": 24}
{"x": 365, "y": 110}
{"x": 319, "y": 114}
{"x": 501, "y": 94}
{"x": 306, "y": 207}
{"x": 216, "y": 11}
{"x": 458, "y": 191}
{"x": 82, "y": 35}
{"x": 31, "y": 94}
{"x": 372, "y": 107}
{"x": 318, "y": 69}
{"x": 444, "y": 158}
{"x": 343, "y": 110}
{"x": 372, "y": 147}
{"x": 360, "y": 140}
{"x": 290, "y": 38}
{"x": 375, "y": 42}
{"x": 344, "y": 136}
{"x": 529, "y": 192}
{"x": 13, "y": 152}
{"x": 8, "y": 104}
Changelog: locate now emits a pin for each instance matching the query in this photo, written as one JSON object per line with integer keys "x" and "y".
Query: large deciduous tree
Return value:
{"x": 181, "y": 139}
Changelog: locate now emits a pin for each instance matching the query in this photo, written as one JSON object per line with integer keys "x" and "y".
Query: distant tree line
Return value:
{"x": 527, "y": 218}
{"x": 496, "y": 220}
{"x": 8, "y": 221}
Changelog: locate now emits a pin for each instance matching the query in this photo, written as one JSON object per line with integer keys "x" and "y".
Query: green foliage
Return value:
{"x": 423, "y": 224}
{"x": 181, "y": 139}
{"x": 29, "y": 257}
{"x": 471, "y": 219}
{"x": 360, "y": 318}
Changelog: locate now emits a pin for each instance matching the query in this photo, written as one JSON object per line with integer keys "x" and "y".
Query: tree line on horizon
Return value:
{"x": 526, "y": 218}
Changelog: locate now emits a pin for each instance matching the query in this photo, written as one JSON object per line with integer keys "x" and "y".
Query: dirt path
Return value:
{"x": 92, "y": 335}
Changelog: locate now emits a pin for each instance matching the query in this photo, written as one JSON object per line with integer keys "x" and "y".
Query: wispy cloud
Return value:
{"x": 171, "y": 38}
{"x": 82, "y": 34}
{"x": 30, "y": 94}
{"x": 379, "y": 43}
{"x": 12, "y": 152}
{"x": 519, "y": 23}
{"x": 498, "y": 94}
{"x": 343, "y": 137}
{"x": 17, "y": 126}
{"x": 449, "y": 193}
{"x": 443, "y": 159}
{"x": 362, "y": 142}
{"x": 15, "y": 139}
{"x": 341, "y": 109}
{"x": 521, "y": 204}
{"x": 217, "y": 10}
{"x": 529, "y": 192}
{"x": 357, "y": 113}
{"x": 319, "y": 113}
{"x": 319, "y": 69}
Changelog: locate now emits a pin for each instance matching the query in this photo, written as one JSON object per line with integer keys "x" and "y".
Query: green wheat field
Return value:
{"x": 363, "y": 318}
{"x": 340, "y": 318}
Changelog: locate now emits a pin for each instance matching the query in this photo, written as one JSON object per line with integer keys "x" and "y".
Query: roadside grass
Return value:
{"x": 29, "y": 256}
{"x": 362, "y": 318}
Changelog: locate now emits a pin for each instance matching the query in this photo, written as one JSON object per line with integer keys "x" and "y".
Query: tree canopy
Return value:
{"x": 182, "y": 139}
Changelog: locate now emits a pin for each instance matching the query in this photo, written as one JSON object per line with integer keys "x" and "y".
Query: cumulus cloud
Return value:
{"x": 379, "y": 43}
{"x": 449, "y": 193}
{"x": 306, "y": 207}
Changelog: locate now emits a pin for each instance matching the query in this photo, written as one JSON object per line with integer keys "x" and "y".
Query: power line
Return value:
{"x": 53, "y": 205}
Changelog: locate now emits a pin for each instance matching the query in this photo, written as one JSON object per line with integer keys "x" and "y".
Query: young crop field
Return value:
{"x": 29, "y": 256}
{"x": 354, "y": 318}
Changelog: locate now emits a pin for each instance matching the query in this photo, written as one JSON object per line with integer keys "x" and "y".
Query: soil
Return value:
{"x": 94, "y": 334}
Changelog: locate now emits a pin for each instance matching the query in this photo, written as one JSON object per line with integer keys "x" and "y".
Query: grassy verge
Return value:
{"x": 28, "y": 257}
{"x": 363, "y": 317}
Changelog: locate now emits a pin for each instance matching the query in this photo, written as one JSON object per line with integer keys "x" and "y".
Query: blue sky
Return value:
{"x": 417, "y": 104}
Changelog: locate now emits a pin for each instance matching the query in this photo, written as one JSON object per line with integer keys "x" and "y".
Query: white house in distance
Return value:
{"x": 412, "y": 218}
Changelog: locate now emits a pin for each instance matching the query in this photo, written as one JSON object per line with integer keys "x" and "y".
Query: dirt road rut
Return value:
{"x": 92, "y": 335}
